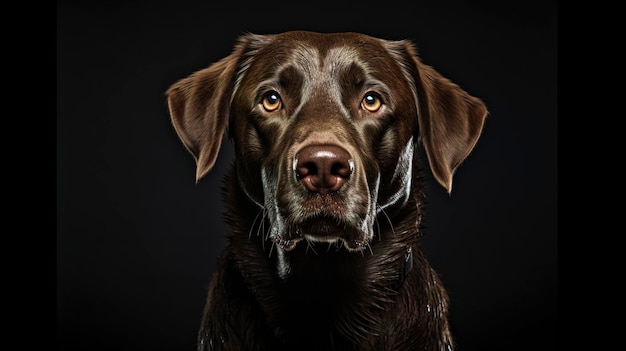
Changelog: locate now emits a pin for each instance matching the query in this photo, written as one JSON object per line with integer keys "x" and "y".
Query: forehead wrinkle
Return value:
{"x": 335, "y": 62}
{"x": 339, "y": 58}
{"x": 306, "y": 60}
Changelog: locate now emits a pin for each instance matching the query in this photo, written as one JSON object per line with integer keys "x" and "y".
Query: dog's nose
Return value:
{"x": 323, "y": 168}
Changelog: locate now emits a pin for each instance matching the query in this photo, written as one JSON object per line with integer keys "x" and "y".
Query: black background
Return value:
{"x": 137, "y": 239}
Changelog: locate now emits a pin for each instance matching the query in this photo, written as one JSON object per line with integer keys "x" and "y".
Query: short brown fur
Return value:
{"x": 324, "y": 199}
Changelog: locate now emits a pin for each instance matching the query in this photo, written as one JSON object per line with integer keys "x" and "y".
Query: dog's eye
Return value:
{"x": 271, "y": 101}
{"x": 371, "y": 102}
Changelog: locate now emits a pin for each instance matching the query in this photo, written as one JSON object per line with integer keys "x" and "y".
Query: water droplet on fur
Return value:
{"x": 360, "y": 243}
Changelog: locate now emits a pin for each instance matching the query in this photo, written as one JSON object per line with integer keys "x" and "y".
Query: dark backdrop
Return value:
{"x": 137, "y": 240}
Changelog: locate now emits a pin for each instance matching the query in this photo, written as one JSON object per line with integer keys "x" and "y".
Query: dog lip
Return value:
{"x": 286, "y": 244}
{"x": 329, "y": 229}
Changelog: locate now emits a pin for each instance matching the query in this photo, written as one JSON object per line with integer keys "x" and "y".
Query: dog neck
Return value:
{"x": 351, "y": 289}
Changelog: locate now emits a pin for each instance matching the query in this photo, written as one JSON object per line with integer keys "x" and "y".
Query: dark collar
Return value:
{"x": 406, "y": 268}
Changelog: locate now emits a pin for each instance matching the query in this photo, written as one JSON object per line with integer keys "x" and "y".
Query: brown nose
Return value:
{"x": 323, "y": 168}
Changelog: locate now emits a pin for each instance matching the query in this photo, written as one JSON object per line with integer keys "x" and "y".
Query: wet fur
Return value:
{"x": 277, "y": 289}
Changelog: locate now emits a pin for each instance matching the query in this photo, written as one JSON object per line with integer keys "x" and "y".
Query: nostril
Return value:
{"x": 342, "y": 169}
{"x": 323, "y": 168}
{"x": 305, "y": 169}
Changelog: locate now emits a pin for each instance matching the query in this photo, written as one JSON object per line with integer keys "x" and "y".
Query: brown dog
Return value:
{"x": 325, "y": 196}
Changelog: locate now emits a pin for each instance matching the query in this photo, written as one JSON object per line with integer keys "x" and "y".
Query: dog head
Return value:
{"x": 325, "y": 128}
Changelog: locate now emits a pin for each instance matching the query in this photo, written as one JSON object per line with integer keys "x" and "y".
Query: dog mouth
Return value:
{"x": 323, "y": 229}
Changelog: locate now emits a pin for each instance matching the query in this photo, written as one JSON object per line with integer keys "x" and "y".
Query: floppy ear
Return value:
{"x": 199, "y": 109}
{"x": 450, "y": 120}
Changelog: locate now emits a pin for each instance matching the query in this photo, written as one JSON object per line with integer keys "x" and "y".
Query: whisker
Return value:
{"x": 271, "y": 248}
{"x": 262, "y": 225}
{"x": 388, "y": 220}
{"x": 262, "y": 230}
{"x": 338, "y": 244}
{"x": 370, "y": 248}
{"x": 267, "y": 235}
{"x": 309, "y": 245}
{"x": 378, "y": 228}
{"x": 262, "y": 211}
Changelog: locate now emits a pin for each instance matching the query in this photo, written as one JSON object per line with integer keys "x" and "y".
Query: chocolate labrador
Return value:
{"x": 325, "y": 195}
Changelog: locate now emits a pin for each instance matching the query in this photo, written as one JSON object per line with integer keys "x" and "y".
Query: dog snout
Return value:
{"x": 323, "y": 169}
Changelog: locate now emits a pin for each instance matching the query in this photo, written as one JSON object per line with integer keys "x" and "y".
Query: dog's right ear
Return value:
{"x": 199, "y": 108}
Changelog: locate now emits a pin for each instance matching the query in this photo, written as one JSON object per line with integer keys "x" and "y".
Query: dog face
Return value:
{"x": 325, "y": 127}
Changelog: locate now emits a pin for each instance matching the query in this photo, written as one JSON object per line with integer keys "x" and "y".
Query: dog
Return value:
{"x": 324, "y": 199}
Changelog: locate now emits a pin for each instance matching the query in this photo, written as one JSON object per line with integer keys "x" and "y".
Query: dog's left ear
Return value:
{"x": 199, "y": 109}
{"x": 450, "y": 120}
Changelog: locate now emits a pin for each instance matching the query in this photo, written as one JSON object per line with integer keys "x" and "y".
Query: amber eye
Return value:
{"x": 371, "y": 102}
{"x": 271, "y": 101}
